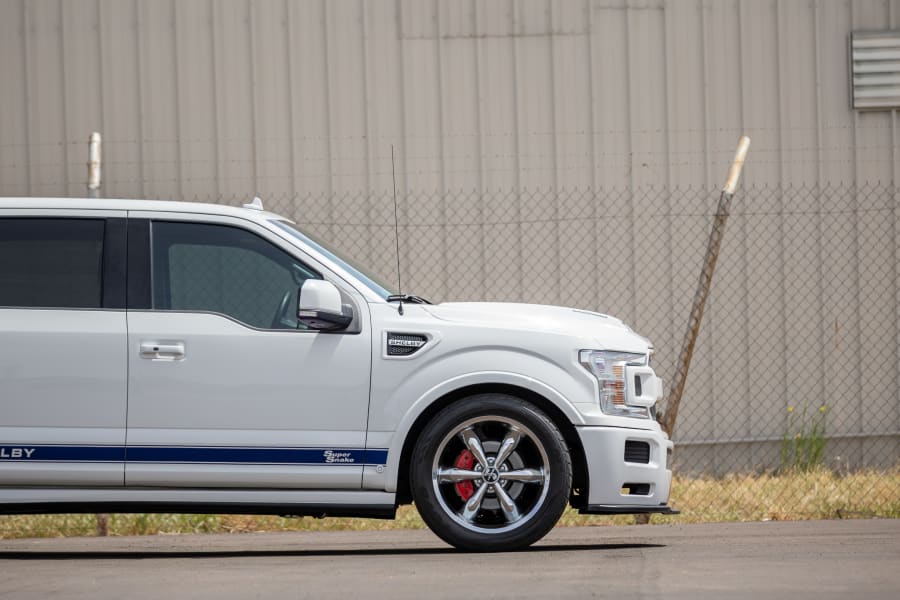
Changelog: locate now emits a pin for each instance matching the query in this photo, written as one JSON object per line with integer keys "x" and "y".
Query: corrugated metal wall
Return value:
{"x": 200, "y": 96}
{"x": 531, "y": 109}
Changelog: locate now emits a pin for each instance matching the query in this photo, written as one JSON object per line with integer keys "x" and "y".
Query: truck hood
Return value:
{"x": 608, "y": 330}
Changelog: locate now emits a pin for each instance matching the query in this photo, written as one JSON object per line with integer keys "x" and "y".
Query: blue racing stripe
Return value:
{"x": 376, "y": 456}
{"x": 291, "y": 456}
{"x": 61, "y": 453}
{"x": 194, "y": 454}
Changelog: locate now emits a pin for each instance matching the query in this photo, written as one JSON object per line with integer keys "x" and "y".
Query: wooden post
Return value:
{"x": 667, "y": 419}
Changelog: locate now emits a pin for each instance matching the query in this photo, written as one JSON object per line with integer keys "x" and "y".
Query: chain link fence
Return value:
{"x": 796, "y": 370}
{"x": 797, "y": 366}
{"x": 801, "y": 329}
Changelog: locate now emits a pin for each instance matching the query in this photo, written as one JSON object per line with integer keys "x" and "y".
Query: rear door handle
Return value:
{"x": 166, "y": 351}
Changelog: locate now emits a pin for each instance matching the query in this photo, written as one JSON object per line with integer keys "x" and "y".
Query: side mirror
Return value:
{"x": 320, "y": 307}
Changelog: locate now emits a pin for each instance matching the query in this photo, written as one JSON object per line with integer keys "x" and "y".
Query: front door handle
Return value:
{"x": 166, "y": 351}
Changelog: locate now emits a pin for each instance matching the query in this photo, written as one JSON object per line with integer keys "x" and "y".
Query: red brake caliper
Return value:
{"x": 465, "y": 460}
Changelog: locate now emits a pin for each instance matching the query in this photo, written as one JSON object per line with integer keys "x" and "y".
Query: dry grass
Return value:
{"x": 799, "y": 495}
{"x": 817, "y": 494}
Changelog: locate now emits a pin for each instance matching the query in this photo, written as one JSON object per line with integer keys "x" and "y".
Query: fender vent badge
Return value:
{"x": 404, "y": 344}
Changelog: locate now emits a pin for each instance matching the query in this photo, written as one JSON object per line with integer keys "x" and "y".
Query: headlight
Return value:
{"x": 609, "y": 369}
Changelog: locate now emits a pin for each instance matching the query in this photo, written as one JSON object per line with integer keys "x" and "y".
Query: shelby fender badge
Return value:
{"x": 404, "y": 344}
{"x": 6, "y": 452}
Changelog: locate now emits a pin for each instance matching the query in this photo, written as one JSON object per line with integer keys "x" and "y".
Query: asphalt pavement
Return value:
{"x": 807, "y": 559}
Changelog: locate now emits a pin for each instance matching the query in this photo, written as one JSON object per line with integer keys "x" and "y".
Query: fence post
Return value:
{"x": 93, "y": 189}
{"x": 667, "y": 419}
{"x": 93, "y": 165}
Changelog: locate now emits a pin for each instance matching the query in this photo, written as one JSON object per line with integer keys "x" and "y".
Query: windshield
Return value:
{"x": 368, "y": 280}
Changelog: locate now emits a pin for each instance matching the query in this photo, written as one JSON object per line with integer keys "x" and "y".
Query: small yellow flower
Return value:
{"x": 822, "y": 409}
{"x": 790, "y": 409}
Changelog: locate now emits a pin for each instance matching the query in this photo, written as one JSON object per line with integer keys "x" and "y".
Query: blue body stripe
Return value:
{"x": 63, "y": 453}
{"x": 376, "y": 456}
{"x": 193, "y": 454}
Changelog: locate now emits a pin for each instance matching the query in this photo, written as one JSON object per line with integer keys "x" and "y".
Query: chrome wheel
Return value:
{"x": 491, "y": 472}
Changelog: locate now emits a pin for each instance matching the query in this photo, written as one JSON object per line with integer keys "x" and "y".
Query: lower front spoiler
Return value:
{"x": 625, "y": 509}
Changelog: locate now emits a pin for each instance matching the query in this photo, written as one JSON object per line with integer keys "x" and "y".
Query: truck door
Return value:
{"x": 62, "y": 357}
{"x": 224, "y": 389}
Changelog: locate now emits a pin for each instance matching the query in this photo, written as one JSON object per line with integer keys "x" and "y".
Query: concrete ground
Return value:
{"x": 809, "y": 559}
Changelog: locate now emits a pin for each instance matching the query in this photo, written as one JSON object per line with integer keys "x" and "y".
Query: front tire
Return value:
{"x": 491, "y": 473}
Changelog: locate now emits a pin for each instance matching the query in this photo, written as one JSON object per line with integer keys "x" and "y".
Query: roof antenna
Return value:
{"x": 396, "y": 232}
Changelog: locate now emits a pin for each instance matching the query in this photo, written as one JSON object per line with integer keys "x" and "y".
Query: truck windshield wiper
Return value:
{"x": 408, "y": 298}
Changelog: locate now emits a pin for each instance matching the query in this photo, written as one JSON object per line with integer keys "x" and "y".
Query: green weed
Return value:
{"x": 803, "y": 442}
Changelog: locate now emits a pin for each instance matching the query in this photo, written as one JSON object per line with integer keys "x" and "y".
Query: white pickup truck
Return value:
{"x": 178, "y": 357}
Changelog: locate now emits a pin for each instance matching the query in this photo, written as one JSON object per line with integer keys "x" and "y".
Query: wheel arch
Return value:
{"x": 580, "y": 482}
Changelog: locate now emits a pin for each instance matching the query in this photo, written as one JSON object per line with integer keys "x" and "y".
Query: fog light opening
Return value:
{"x": 635, "y": 489}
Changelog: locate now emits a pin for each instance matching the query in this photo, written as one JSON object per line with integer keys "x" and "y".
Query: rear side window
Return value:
{"x": 51, "y": 263}
{"x": 226, "y": 270}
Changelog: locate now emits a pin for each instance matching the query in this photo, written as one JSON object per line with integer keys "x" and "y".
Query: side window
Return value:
{"x": 51, "y": 263}
{"x": 226, "y": 270}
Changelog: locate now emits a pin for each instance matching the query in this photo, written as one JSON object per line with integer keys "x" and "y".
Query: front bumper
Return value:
{"x": 617, "y": 486}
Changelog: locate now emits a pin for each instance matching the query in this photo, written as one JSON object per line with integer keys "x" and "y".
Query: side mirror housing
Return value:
{"x": 320, "y": 306}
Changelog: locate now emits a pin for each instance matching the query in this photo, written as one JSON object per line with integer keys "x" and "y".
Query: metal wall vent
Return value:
{"x": 875, "y": 69}
{"x": 404, "y": 344}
